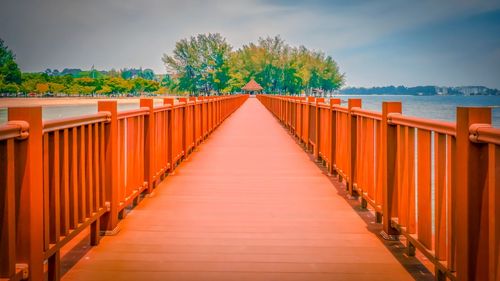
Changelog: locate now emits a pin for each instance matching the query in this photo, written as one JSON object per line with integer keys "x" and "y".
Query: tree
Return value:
{"x": 42, "y": 88}
{"x": 201, "y": 63}
{"x": 105, "y": 90}
{"x": 280, "y": 68}
{"x": 9, "y": 69}
{"x": 56, "y": 88}
{"x": 9, "y": 88}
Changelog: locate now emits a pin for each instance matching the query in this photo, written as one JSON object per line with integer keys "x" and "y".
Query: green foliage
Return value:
{"x": 9, "y": 71}
{"x": 201, "y": 63}
{"x": 72, "y": 81}
{"x": 206, "y": 63}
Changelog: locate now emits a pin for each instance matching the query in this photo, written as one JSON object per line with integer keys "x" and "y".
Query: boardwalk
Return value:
{"x": 249, "y": 205}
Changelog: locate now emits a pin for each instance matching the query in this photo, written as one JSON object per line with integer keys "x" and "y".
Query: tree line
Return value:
{"x": 203, "y": 64}
{"x": 207, "y": 63}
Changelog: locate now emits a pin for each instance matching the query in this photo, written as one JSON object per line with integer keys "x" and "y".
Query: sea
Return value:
{"x": 433, "y": 107}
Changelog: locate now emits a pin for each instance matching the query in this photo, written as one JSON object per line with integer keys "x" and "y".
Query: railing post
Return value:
{"x": 471, "y": 198}
{"x": 352, "y": 145}
{"x": 149, "y": 144}
{"x": 30, "y": 246}
{"x": 333, "y": 136}
{"x": 195, "y": 124}
{"x": 388, "y": 149}
{"x": 110, "y": 219}
{"x": 170, "y": 125}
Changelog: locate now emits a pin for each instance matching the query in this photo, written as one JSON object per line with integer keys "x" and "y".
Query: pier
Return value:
{"x": 239, "y": 188}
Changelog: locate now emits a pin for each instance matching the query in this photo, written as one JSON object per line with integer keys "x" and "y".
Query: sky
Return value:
{"x": 375, "y": 43}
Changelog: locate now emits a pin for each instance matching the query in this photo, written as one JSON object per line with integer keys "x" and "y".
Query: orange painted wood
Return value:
{"x": 494, "y": 211}
{"x": 65, "y": 194}
{"x": 388, "y": 146}
{"x": 82, "y": 178}
{"x": 424, "y": 188}
{"x": 333, "y": 135}
{"x": 111, "y": 150}
{"x": 471, "y": 198}
{"x": 73, "y": 191}
{"x": 222, "y": 217}
{"x": 150, "y": 149}
{"x": 351, "y": 145}
{"x": 29, "y": 241}
{"x": 7, "y": 209}
{"x": 440, "y": 195}
{"x": 410, "y": 180}
{"x": 451, "y": 204}
{"x": 369, "y": 159}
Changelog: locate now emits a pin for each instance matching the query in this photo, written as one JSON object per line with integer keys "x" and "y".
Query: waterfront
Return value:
{"x": 433, "y": 107}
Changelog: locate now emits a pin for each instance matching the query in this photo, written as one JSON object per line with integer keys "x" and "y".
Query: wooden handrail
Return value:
{"x": 484, "y": 133}
{"x": 70, "y": 122}
{"x": 14, "y": 129}
{"x": 447, "y": 128}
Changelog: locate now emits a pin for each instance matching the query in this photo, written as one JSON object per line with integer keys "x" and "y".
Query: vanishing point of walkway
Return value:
{"x": 249, "y": 205}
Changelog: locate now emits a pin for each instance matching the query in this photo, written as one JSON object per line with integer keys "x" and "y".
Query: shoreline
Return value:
{"x": 63, "y": 101}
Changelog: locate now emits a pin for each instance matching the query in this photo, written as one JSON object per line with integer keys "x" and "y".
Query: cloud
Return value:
{"x": 130, "y": 33}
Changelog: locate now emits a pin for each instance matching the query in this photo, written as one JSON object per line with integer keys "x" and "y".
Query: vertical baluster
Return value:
{"x": 440, "y": 195}
{"x": 73, "y": 191}
{"x": 95, "y": 166}
{"x": 370, "y": 159}
{"x": 89, "y": 171}
{"x": 82, "y": 179}
{"x": 46, "y": 192}
{"x": 402, "y": 173}
{"x": 54, "y": 188}
{"x": 65, "y": 195}
{"x": 424, "y": 188}
{"x": 95, "y": 226}
{"x": 410, "y": 158}
{"x": 378, "y": 174}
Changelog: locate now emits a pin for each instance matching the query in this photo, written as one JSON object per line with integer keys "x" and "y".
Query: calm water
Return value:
{"x": 60, "y": 111}
{"x": 434, "y": 107}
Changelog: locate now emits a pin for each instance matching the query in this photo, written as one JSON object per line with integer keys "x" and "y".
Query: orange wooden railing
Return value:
{"x": 59, "y": 177}
{"x": 436, "y": 183}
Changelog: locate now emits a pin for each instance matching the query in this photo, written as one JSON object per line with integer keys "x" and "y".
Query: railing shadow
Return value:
{"x": 413, "y": 265}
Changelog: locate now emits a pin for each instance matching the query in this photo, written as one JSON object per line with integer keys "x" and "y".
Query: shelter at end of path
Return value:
{"x": 252, "y": 87}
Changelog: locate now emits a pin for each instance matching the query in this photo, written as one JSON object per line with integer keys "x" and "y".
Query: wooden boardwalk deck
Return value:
{"x": 249, "y": 205}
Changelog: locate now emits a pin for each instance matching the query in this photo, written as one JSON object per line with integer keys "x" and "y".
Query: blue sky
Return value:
{"x": 399, "y": 42}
